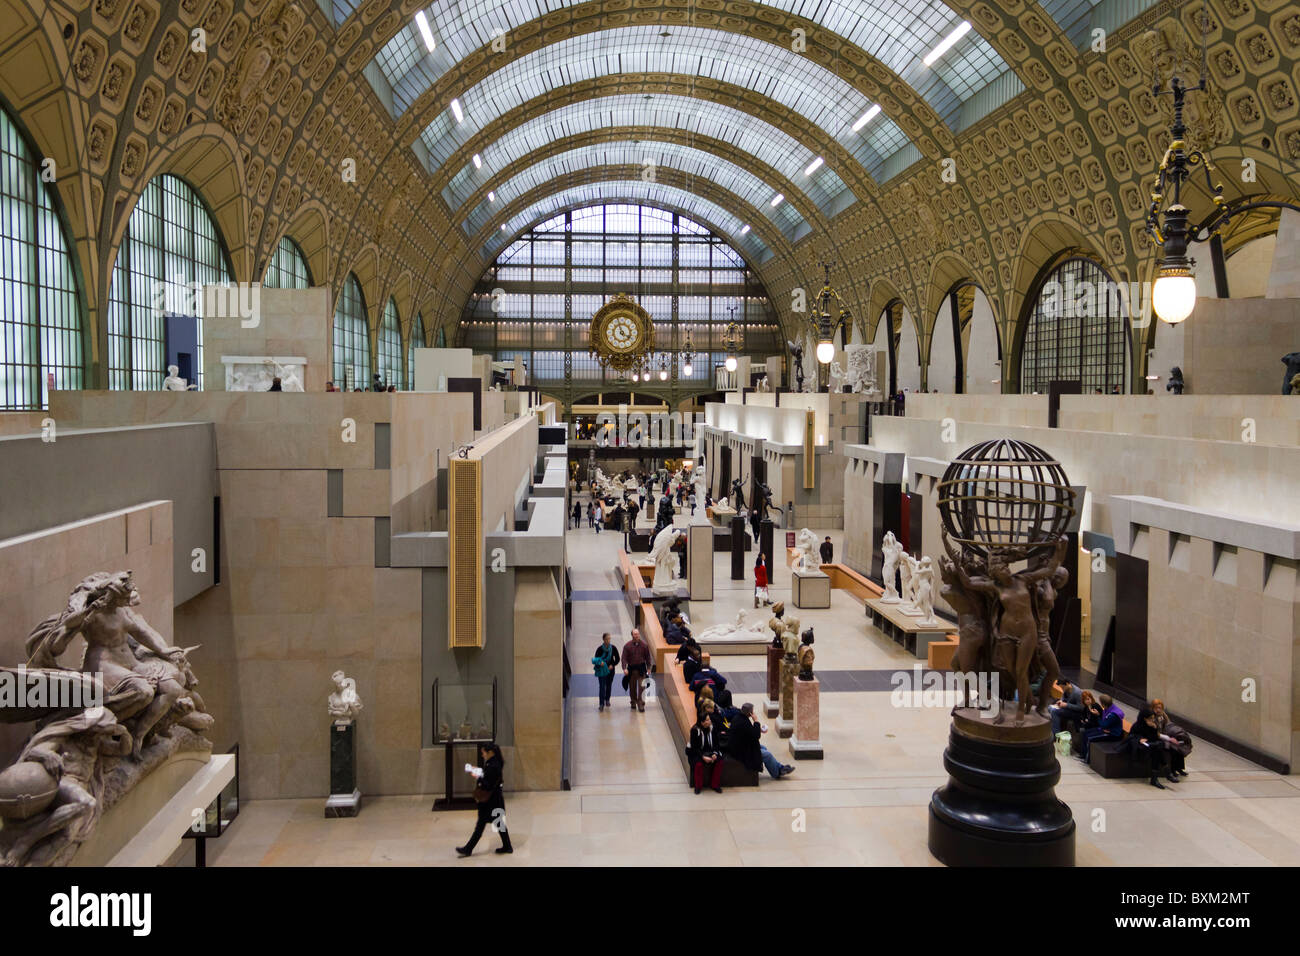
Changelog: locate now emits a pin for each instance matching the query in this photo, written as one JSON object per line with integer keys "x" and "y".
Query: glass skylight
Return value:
{"x": 897, "y": 33}
{"x": 796, "y": 82}
{"x": 655, "y": 194}
{"x": 748, "y": 187}
{"x": 759, "y": 139}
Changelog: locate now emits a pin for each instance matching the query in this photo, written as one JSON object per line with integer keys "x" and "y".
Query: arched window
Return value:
{"x": 416, "y": 342}
{"x": 171, "y": 250}
{"x": 40, "y": 307}
{"x": 288, "y": 267}
{"x": 390, "y": 346}
{"x": 351, "y": 338}
{"x": 1078, "y": 331}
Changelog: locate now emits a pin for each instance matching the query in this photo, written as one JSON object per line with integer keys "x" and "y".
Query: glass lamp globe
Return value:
{"x": 636, "y": 377}
{"x": 731, "y": 363}
{"x": 1174, "y": 297}
{"x": 663, "y": 374}
{"x": 825, "y": 351}
{"x": 686, "y": 369}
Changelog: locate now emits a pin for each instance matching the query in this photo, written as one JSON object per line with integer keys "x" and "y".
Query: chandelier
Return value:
{"x": 1174, "y": 294}
{"x": 733, "y": 337}
{"x": 825, "y": 323}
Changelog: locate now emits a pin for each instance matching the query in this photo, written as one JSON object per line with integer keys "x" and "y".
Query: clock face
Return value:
{"x": 621, "y": 333}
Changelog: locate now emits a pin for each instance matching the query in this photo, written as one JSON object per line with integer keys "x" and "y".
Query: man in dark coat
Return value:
{"x": 747, "y": 747}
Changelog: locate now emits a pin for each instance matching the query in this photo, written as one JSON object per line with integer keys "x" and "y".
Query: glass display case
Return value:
{"x": 216, "y": 816}
{"x": 464, "y": 713}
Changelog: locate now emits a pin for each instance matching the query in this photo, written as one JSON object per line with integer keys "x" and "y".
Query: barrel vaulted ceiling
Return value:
{"x": 522, "y": 109}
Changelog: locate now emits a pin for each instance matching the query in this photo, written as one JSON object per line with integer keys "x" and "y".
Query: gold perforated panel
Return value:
{"x": 465, "y": 554}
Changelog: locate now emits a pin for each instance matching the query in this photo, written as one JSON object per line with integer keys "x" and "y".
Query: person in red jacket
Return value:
{"x": 760, "y": 581}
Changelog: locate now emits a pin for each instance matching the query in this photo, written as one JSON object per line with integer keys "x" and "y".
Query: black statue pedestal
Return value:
{"x": 344, "y": 799}
{"x": 765, "y": 545}
{"x": 1000, "y": 807}
{"x": 738, "y": 536}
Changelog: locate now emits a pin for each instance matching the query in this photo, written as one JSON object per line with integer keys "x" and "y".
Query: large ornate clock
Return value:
{"x": 621, "y": 333}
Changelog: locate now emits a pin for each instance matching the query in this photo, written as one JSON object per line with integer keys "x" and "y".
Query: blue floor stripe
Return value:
{"x": 611, "y": 595}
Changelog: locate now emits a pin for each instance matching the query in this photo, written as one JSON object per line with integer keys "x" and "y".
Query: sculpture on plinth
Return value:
{"x": 740, "y": 630}
{"x": 890, "y": 551}
{"x": 906, "y": 563}
{"x": 173, "y": 382}
{"x": 344, "y": 703}
{"x": 796, "y": 355}
{"x": 809, "y": 558}
{"x": 665, "y": 562}
{"x": 1001, "y": 503}
{"x": 100, "y": 728}
{"x": 1175, "y": 383}
{"x": 923, "y": 591}
{"x": 737, "y": 493}
{"x": 806, "y": 656}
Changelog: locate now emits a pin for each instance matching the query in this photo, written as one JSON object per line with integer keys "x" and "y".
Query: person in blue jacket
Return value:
{"x": 605, "y": 660}
{"x": 1110, "y": 727}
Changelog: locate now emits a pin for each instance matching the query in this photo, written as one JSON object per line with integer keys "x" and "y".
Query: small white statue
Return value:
{"x": 344, "y": 704}
{"x": 910, "y": 568}
{"x": 173, "y": 383}
{"x": 809, "y": 558}
{"x": 741, "y": 630}
{"x": 923, "y": 586}
{"x": 890, "y": 550}
{"x": 665, "y": 579}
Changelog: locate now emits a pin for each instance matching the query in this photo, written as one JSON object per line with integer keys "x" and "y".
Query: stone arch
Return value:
{"x": 310, "y": 229}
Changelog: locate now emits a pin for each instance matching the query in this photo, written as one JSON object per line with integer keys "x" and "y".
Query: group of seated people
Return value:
{"x": 721, "y": 729}
{"x": 1092, "y": 717}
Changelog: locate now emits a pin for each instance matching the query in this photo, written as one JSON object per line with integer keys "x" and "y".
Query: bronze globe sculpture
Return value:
{"x": 1005, "y": 507}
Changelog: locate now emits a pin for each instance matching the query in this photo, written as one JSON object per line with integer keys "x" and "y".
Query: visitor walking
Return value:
{"x": 490, "y": 797}
{"x": 604, "y": 661}
{"x": 577, "y": 515}
{"x": 600, "y": 515}
{"x": 636, "y": 665}
{"x": 761, "y": 593}
{"x": 591, "y": 514}
{"x": 827, "y": 550}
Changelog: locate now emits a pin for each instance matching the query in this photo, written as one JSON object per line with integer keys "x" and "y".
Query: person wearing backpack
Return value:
{"x": 604, "y": 661}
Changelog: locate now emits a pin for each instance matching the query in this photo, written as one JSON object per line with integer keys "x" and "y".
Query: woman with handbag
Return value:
{"x": 490, "y": 798}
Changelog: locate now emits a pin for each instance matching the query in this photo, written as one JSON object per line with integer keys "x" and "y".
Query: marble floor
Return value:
{"x": 865, "y": 803}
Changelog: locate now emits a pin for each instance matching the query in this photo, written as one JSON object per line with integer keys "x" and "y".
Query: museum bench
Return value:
{"x": 1112, "y": 759}
{"x": 681, "y": 718}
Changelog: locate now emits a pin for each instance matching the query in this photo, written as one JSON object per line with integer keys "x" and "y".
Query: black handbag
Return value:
{"x": 625, "y": 682}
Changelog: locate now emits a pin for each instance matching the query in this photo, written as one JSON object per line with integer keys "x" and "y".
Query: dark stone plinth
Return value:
{"x": 738, "y": 539}
{"x": 1000, "y": 807}
{"x": 345, "y": 798}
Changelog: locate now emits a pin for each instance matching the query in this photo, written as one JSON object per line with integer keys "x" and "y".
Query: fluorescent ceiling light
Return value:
{"x": 422, "y": 22}
{"x": 455, "y": 109}
{"x": 776, "y": 200}
{"x": 492, "y": 197}
{"x": 866, "y": 118}
{"x": 814, "y": 166}
{"x": 745, "y": 230}
{"x": 948, "y": 42}
{"x": 478, "y": 162}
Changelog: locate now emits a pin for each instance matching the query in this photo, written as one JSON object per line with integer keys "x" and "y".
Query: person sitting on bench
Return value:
{"x": 704, "y": 755}
{"x": 747, "y": 746}
{"x": 1069, "y": 707}
{"x": 690, "y": 655}
{"x": 1143, "y": 737}
{"x": 1110, "y": 725}
{"x": 1176, "y": 740}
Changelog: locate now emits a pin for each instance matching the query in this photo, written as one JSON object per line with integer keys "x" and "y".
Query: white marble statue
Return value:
{"x": 665, "y": 561}
{"x": 905, "y": 580}
{"x": 809, "y": 558}
{"x": 173, "y": 382}
{"x": 740, "y": 630}
{"x": 860, "y": 375}
{"x": 288, "y": 376}
{"x": 344, "y": 704}
{"x": 838, "y": 376}
{"x": 890, "y": 551}
{"x": 909, "y": 568}
{"x": 923, "y": 586}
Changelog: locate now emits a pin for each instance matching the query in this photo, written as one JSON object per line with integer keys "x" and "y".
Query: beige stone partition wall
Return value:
{"x": 1274, "y": 419}
{"x": 1228, "y": 658}
{"x": 300, "y": 595}
{"x": 285, "y": 323}
{"x": 1251, "y": 479}
{"x": 38, "y": 571}
{"x": 865, "y": 467}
